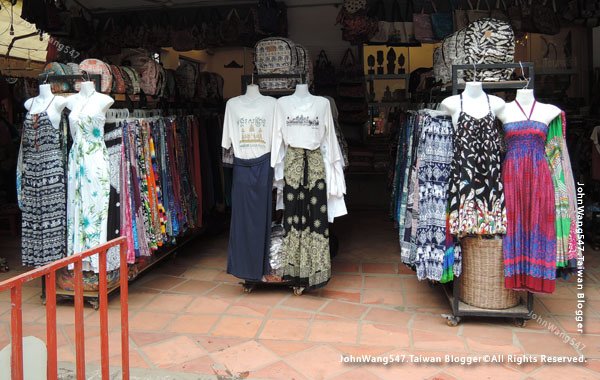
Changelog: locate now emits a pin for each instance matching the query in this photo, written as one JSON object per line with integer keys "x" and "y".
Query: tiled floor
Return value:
{"x": 188, "y": 316}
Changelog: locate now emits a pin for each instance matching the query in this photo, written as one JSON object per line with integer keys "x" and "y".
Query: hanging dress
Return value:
{"x": 113, "y": 138}
{"x": 530, "y": 242}
{"x": 42, "y": 193}
{"x": 89, "y": 186}
{"x": 476, "y": 190}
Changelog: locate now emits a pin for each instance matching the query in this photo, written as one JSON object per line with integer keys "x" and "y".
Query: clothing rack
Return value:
{"x": 522, "y": 312}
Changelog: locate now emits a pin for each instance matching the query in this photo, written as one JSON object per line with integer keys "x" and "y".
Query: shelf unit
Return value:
{"x": 521, "y": 312}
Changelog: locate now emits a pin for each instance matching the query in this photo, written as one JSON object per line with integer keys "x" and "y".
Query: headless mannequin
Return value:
{"x": 474, "y": 102}
{"x": 89, "y": 100}
{"x": 42, "y": 102}
{"x": 543, "y": 113}
{"x": 302, "y": 91}
{"x": 252, "y": 92}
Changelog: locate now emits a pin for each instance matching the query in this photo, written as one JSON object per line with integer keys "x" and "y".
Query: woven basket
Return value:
{"x": 482, "y": 278}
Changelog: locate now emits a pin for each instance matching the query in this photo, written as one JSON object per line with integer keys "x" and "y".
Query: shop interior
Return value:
{"x": 203, "y": 53}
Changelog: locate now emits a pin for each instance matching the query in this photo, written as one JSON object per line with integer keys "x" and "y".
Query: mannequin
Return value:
{"x": 88, "y": 98}
{"x": 474, "y": 102}
{"x": 89, "y": 172}
{"x": 252, "y": 92}
{"x": 543, "y": 113}
{"x": 302, "y": 91}
{"x": 42, "y": 102}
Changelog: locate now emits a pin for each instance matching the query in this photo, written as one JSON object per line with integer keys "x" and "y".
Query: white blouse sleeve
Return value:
{"x": 334, "y": 169}
{"x": 278, "y": 153}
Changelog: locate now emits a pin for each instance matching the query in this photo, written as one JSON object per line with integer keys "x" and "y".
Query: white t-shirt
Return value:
{"x": 306, "y": 122}
{"x": 248, "y": 125}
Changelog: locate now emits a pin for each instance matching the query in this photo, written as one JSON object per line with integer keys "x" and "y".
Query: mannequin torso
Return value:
{"x": 90, "y": 101}
{"x": 543, "y": 113}
{"x": 474, "y": 103}
{"x": 48, "y": 102}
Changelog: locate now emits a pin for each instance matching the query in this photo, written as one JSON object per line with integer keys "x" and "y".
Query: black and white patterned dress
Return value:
{"x": 42, "y": 193}
{"x": 476, "y": 191}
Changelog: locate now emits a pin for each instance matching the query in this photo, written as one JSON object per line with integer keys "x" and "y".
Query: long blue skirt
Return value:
{"x": 251, "y": 204}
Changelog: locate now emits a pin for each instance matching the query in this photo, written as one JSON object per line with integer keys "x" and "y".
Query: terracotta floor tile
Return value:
{"x": 65, "y": 314}
{"x": 193, "y": 324}
{"x": 114, "y": 319}
{"x": 143, "y": 338}
{"x": 199, "y": 366}
{"x": 348, "y": 295}
{"x": 207, "y": 305}
{"x": 282, "y": 313}
{"x": 442, "y": 376}
{"x": 285, "y": 348}
{"x": 345, "y": 309}
{"x": 138, "y": 297}
{"x": 285, "y": 329}
{"x": 561, "y": 306}
{"x": 202, "y": 274}
{"x": 216, "y": 262}
{"x": 543, "y": 343}
{"x": 170, "y": 269}
{"x": 39, "y": 331}
{"x": 268, "y": 296}
{"x": 391, "y": 268}
{"x": 173, "y": 351}
{"x": 490, "y": 338}
{"x": 383, "y": 282}
{"x": 357, "y": 374}
{"x": 432, "y": 298}
{"x": 277, "y": 371}
{"x": 404, "y": 371}
{"x": 484, "y": 372}
{"x": 92, "y": 347}
{"x": 227, "y": 292}
{"x": 321, "y": 362}
{"x": 30, "y": 313}
{"x": 438, "y": 341}
{"x": 403, "y": 269}
{"x": 225, "y": 277}
{"x": 304, "y": 303}
{"x": 386, "y": 335}
{"x": 344, "y": 267}
{"x": 392, "y": 317}
{"x": 345, "y": 281}
{"x": 161, "y": 282}
{"x": 248, "y": 309}
{"x": 335, "y": 332}
{"x": 592, "y": 345}
{"x": 382, "y": 297}
{"x": 135, "y": 360}
{"x": 431, "y": 323}
{"x": 561, "y": 372}
{"x": 362, "y": 349}
{"x": 150, "y": 321}
{"x": 239, "y": 327}
{"x": 193, "y": 287}
{"x": 215, "y": 344}
{"x": 173, "y": 303}
{"x": 245, "y": 357}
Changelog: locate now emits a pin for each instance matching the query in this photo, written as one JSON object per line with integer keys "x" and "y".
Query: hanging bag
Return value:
{"x": 268, "y": 17}
{"x": 230, "y": 27}
{"x": 401, "y": 31}
{"x": 96, "y": 66}
{"x": 499, "y": 12}
{"x": 477, "y": 13}
{"x": 422, "y": 26}
{"x": 353, "y": 6}
{"x": 377, "y": 12}
{"x": 324, "y": 71}
{"x": 442, "y": 22}
{"x": 545, "y": 19}
{"x": 461, "y": 20}
{"x": 182, "y": 38}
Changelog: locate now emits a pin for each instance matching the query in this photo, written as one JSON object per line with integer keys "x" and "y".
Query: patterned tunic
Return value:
{"x": 476, "y": 190}
{"x": 42, "y": 192}
{"x": 530, "y": 243}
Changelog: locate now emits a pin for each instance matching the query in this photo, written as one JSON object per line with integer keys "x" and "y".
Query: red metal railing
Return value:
{"x": 15, "y": 285}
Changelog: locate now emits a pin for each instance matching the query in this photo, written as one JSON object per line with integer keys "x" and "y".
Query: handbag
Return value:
{"x": 353, "y": 6}
{"x": 401, "y": 31}
{"x": 377, "y": 12}
{"x": 545, "y": 19}
{"x": 182, "y": 39}
{"x": 324, "y": 71}
{"x": 442, "y": 23}
{"x": 350, "y": 68}
{"x": 358, "y": 27}
{"x": 499, "y": 12}
{"x": 461, "y": 20}
{"x": 477, "y": 13}
{"x": 230, "y": 27}
{"x": 422, "y": 26}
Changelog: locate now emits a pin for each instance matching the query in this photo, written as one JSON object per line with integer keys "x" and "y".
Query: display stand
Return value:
{"x": 248, "y": 285}
{"x": 521, "y": 312}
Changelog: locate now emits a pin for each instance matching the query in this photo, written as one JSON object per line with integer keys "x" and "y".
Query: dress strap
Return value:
{"x": 48, "y": 106}
{"x": 461, "y": 103}
{"x": 489, "y": 104}
{"x": 530, "y": 112}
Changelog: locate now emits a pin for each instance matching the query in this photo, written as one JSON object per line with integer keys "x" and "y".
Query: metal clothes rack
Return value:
{"x": 522, "y": 312}
{"x": 96, "y": 78}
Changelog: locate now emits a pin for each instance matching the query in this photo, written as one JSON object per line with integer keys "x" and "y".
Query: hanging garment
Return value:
{"x": 573, "y": 251}
{"x": 113, "y": 138}
{"x": 250, "y": 232}
{"x": 306, "y": 243}
{"x": 435, "y": 158}
{"x": 530, "y": 242}
{"x": 88, "y": 186}
{"x": 476, "y": 192}
{"x": 42, "y": 192}
{"x": 561, "y": 198}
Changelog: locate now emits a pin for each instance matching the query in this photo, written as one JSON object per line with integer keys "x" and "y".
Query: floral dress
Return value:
{"x": 88, "y": 186}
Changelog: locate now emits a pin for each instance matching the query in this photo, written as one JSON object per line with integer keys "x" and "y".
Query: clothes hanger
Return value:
{"x": 527, "y": 79}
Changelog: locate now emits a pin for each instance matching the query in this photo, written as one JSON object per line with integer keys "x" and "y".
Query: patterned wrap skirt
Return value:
{"x": 250, "y": 231}
{"x": 306, "y": 243}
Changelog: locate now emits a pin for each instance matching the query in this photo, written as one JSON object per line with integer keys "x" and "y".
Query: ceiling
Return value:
{"x": 95, "y": 6}
{"x": 27, "y": 48}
